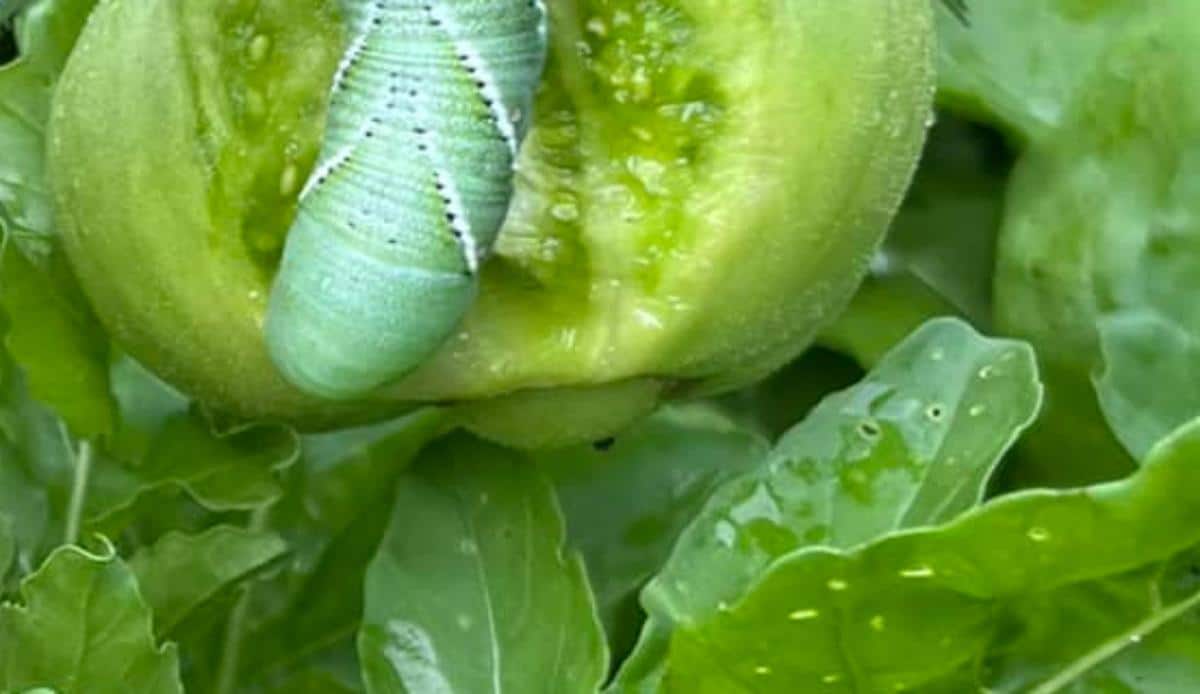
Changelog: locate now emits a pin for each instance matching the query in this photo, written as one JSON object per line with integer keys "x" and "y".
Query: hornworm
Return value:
{"x": 428, "y": 108}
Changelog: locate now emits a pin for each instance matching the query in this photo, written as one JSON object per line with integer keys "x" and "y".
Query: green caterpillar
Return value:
{"x": 427, "y": 112}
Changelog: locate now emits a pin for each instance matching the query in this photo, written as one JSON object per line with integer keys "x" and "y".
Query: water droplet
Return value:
{"x": 803, "y": 614}
{"x": 464, "y": 622}
{"x": 289, "y": 181}
{"x": 935, "y": 412}
{"x": 1038, "y": 534}
{"x": 869, "y": 429}
{"x": 647, "y": 319}
{"x": 725, "y": 533}
{"x": 976, "y": 410}
{"x": 259, "y": 47}
{"x": 722, "y": 606}
{"x": 468, "y": 547}
{"x": 762, "y": 670}
{"x": 256, "y": 105}
{"x": 986, "y": 372}
{"x": 1136, "y": 638}
{"x": 597, "y": 26}
{"x": 565, "y": 212}
{"x": 937, "y": 354}
{"x": 832, "y": 678}
{"x": 917, "y": 572}
{"x": 652, "y": 174}
{"x": 837, "y": 584}
{"x": 760, "y": 505}
{"x": 878, "y": 622}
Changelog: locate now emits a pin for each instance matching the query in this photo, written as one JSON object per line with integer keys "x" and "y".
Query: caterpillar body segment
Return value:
{"x": 427, "y": 112}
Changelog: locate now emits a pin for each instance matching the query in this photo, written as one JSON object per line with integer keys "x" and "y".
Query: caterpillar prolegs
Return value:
{"x": 428, "y": 108}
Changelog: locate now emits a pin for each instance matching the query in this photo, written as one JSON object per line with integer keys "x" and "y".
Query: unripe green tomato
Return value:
{"x": 701, "y": 190}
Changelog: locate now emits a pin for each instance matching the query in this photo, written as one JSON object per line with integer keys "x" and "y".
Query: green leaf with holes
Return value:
{"x": 1041, "y": 591}
{"x": 912, "y": 445}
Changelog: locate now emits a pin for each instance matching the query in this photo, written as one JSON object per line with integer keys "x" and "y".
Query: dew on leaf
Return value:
{"x": 803, "y": 614}
{"x": 1038, "y": 534}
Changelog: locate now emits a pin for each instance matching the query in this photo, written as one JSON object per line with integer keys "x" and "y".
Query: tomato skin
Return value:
{"x": 700, "y": 193}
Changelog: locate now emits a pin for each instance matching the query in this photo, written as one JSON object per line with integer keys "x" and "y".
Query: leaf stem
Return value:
{"x": 79, "y": 490}
{"x": 231, "y": 650}
{"x": 1115, "y": 645}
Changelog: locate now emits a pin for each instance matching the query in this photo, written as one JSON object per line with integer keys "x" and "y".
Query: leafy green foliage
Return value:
{"x": 1019, "y": 64}
{"x": 947, "y": 591}
{"x": 451, "y": 608}
{"x": 983, "y": 479}
{"x": 57, "y": 341}
{"x": 627, "y": 500}
{"x": 180, "y": 572}
{"x": 52, "y": 332}
{"x": 83, "y": 627}
{"x": 1098, "y": 239}
{"x": 906, "y": 447}
{"x": 45, "y": 36}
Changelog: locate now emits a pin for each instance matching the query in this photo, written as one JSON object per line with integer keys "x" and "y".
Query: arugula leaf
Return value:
{"x": 1099, "y": 246}
{"x": 924, "y": 610}
{"x": 180, "y": 572}
{"x": 24, "y": 516}
{"x": 627, "y": 500}
{"x": 913, "y": 444}
{"x": 37, "y": 464}
{"x": 8, "y": 546}
{"x": 221, "y": 473}
{"x": 46, "y": 34}
{"x": 84, "y": 627}
{"x": 57, "y": 341}
{"x": 471, "y": 589}
{"x": 53, "y": 334}
{"x": 335, "y": 513}
{"x": 1136, "y": 631}
{"x": 1018, "y": 64}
